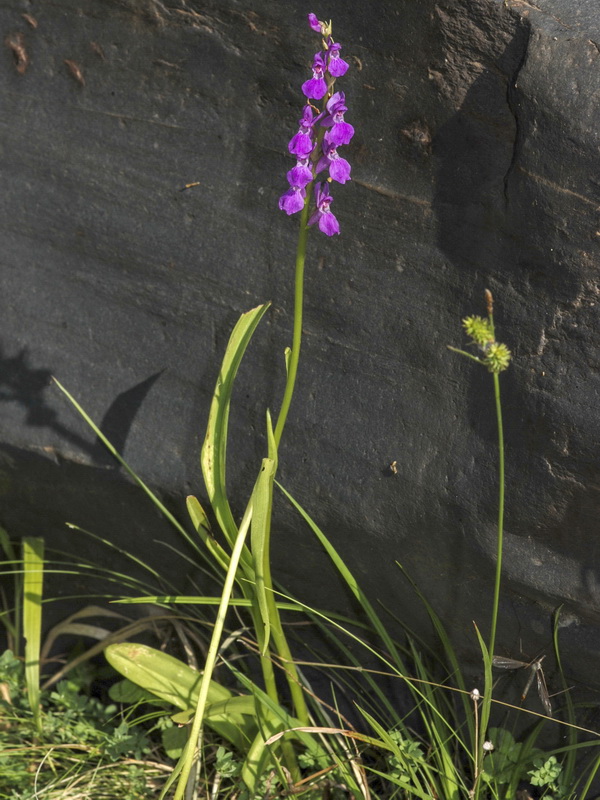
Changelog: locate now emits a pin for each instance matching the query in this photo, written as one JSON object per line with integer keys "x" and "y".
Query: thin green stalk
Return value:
{"x": 496, "y": 357}
{"x": 500, "y": 533}
{"x": 499, "y": 550}
{"x": 266, "y": 664}
{"x": 279, "y": 637}
{"x": 292, "y": 367}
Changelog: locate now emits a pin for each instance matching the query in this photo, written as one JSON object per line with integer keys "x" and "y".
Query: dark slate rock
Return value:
{"x": 474, "y": 165}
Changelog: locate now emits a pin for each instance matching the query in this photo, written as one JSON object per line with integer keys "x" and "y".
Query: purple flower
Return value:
{"x": 298, "y": 178}
{"x": 328, "y": 223}
{"x": 336, "y": 65}
{"x": 292, "y": 200}
{"x": 340, "y": 132}
{"x": 339, "y": 168}
{"x": 324, "y": 28}
{"x": 301, "y": 145}
{"x": 316, "y": 87}
{"x": 301, "y": 174}
{"x": 327, "y": 66}
{"x": 314, "y": 23}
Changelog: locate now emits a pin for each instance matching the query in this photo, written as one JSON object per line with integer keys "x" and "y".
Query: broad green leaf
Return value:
{"x": 161, "y": 674}
{"x": 33, "y": 582}
{"x": 170, "y": 679}
{"x": 213, "y": 455}
{"x": 202, "y": 526}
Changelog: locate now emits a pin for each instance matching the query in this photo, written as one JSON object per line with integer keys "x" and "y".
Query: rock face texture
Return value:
{"x": 475, "y": 164}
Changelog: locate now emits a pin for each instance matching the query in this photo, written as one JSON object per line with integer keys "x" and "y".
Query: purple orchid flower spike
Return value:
{"x": 323, "y": 215}
{"x": 316, "y": 87}
{"x": 336, "y": 66}
{"x": 315, "y": 150}
{"x": 339, "y": 168}
{"x": 340, "y": 132}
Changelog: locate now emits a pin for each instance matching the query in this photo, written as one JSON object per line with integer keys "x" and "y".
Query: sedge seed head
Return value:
{"x": 497, "y": 357}
{"x": 479, "y": 329}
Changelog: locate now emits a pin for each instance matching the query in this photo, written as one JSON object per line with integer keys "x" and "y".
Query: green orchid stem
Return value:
{"x": 291, "y": 673}
{"x": 268, "y": 671}
{"x": 500, "y": 532}
{"x": 292, "y": 370}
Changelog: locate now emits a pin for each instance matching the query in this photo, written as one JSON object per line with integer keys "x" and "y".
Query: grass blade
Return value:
{"x": 33, "y": 582}
{"x": 10, "y": 618}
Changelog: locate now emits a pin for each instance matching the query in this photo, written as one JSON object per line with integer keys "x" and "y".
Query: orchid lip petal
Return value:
{"x": 328, "y": 224}
{"x": 293, "y": 200}
{"x": 315, "y": 88}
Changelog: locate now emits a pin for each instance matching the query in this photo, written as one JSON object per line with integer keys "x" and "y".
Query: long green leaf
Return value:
{"x": 202, "y": 526}
{"x": 213, "y": 455}
{"x": 199, "y": 600}
{"x": 33, "y": 582}
{"x": 262, "y": 503}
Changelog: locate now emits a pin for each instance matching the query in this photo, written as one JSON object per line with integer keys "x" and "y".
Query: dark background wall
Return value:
{"x": 474, "y": 165}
